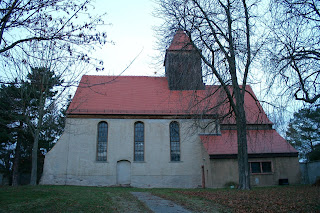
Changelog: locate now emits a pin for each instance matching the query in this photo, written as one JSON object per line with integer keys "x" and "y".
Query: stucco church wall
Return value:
{"x": 72, "y": 161}
{"x": 224, "y": 171}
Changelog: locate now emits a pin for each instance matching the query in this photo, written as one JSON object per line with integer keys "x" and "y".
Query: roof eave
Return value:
{"x": 255, "y": 155}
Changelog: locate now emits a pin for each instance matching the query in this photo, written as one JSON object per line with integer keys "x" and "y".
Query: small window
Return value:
{"x": 102, "y": 141}
{"x": 266, "y": 167}
{"x": 138, "y": 141}
{"x": 174, "y": 141}
{"x": 260, "y": 167}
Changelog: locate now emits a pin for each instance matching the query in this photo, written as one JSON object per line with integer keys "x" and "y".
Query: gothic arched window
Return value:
{"x": 174, "y": 141}
{"x": 102, "y": 141}
{"x": 138, "y": 141}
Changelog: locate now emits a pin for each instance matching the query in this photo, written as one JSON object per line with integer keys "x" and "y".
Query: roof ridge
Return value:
{"x": 125, "y": 76}
{"x": 160, "y": 77}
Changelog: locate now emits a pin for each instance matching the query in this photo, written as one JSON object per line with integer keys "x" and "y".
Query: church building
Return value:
{"x": 164, "y": 132}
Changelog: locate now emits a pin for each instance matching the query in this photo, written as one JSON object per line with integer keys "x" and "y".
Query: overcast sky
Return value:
{"x": 131, "y": 31}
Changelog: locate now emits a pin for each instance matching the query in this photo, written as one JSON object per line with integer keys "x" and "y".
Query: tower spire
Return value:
{"x": 183, "y": 64}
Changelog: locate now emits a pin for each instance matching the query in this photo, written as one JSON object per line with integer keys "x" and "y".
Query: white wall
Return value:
{"x": 72, "y": 161}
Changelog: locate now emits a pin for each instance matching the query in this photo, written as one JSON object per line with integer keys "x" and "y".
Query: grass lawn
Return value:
{"x": 68, "y": 199}
{"x": 104, "y": 199}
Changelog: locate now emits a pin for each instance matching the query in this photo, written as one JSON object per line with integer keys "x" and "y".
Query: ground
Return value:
{"x": 104, "y": 199}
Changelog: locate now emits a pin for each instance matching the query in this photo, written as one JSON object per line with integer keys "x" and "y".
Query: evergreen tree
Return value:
{"x": 304, "y": 132}
{"x": 12, "y": 132}
{"x": 40, "y": 98}
{"x": 29, "y": 115}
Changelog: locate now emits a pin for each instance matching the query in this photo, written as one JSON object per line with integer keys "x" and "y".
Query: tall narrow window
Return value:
{"x": 174, "y": 141}
{"x": 102, "y": 141}
{"x": 138, "y": 141}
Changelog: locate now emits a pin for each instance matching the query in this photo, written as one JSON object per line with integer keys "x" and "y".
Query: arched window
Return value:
{"x": 102, "y": 141}
{"x": 138, "y": 141}
{"x": 174, "y": 141}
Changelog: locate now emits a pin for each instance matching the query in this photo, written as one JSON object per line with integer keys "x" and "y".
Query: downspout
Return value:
{"x": 203, "y": 175}
{"x": 307, "y": 173}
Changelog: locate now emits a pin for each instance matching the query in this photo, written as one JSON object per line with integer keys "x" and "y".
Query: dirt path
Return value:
{"x": 159, "y": 205}
{"x": 128, "y": 203}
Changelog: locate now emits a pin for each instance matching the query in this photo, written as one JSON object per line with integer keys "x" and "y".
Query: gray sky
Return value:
{"x": 132, "y": 33}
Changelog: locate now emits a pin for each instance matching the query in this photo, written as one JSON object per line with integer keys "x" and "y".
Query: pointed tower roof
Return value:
{"x": 181, "y": 41}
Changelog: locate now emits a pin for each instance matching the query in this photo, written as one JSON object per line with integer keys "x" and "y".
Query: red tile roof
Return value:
{"x": 181, "y": 41}
{"x": 259, "y": 142}
{"x": 139, "y": 95}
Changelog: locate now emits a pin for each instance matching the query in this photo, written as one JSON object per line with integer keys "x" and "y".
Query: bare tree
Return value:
{"x": 221, "y": 31}
{"x": 67, "y": 24}
{"x": 294, "y": 53}
{"x": 57, "y": 35}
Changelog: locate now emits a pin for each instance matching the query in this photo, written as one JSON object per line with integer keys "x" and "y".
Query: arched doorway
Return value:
{"x": 124, "y": 173}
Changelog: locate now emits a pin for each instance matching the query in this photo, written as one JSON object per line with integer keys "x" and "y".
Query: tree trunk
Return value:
{"x": 243, "y": 165}
{"x": 15, "y": 169}
{"x": 241, "y": 122}
{"x": 34, "y": 169}
{"x": 33, "y": 179}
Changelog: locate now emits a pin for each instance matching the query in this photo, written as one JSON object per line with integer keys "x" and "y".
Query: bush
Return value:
{"x": 231, "y": 185}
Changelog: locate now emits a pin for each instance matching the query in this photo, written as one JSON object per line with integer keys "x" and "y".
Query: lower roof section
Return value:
{"x": 261, "y": 143}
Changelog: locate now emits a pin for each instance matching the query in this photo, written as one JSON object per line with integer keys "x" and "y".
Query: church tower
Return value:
{"x": 183, "y": 64}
